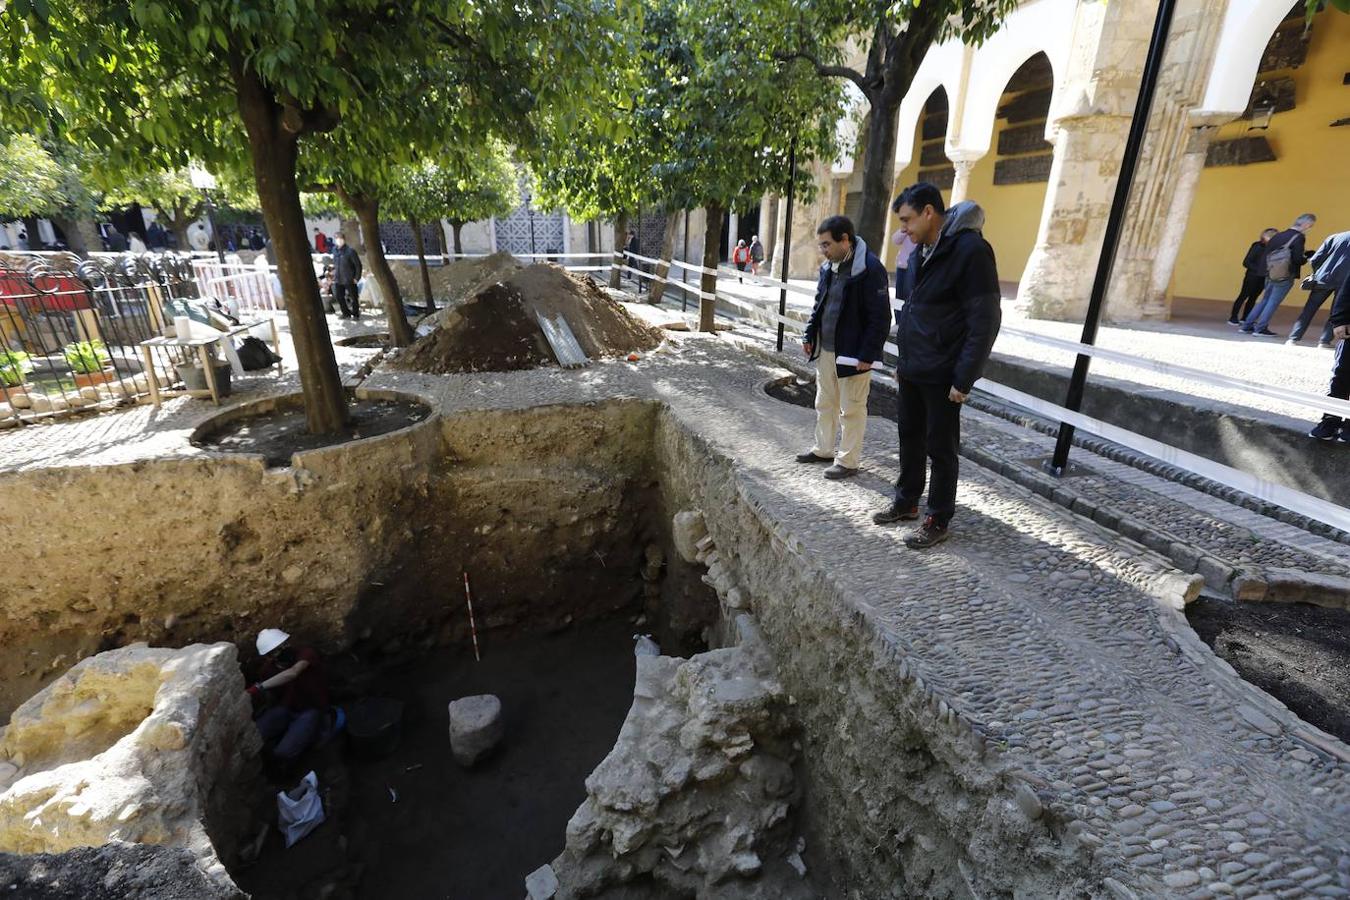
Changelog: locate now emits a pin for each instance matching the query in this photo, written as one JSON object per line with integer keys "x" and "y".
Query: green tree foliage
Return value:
{"x": 893, "y": 38}
{"x": 31, "y": 181}
{"x": 229, "y": 82}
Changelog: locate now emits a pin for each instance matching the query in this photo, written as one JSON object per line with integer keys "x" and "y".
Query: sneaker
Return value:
{"x": 1291, "y": 343}
{"x": 1343, "y": 437}
{"x": 1323, "y": 345}
{"x": 809, "y": 457}
{"x": 896, "y": 513}
{"x": 1243, "y": 329}
{"x": 837, "y": 472}
{"x": 1264, "y": 332}
{"x": 1234, "y": 322}
{"x": 926, "y": 535}
{"x": 1325, "y": 431}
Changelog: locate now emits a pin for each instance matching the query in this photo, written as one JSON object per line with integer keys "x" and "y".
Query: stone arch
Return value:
{"x": 1247, "y": 28}
{"x": 1044, "y": 27}
{"x": 938, "y": 71}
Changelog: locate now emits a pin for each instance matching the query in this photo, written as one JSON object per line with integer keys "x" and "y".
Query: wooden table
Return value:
{"x": 203, "y": 347}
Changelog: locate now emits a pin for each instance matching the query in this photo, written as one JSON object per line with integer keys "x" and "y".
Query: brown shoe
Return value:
{"x": 931, "y": 532}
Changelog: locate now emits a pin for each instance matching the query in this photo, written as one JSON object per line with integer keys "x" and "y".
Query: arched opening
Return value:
{"x": 1010, "y": 181}
{"x": 1278, "y": 159}
{"x": 928, "y": 161}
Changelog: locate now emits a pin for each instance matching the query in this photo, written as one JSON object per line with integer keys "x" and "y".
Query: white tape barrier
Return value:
{"x": 1301, "y": 398}
{"x": 1297, "y": 501}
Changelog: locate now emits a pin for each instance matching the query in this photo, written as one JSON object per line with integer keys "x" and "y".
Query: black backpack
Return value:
{"x": 254, "y": 355}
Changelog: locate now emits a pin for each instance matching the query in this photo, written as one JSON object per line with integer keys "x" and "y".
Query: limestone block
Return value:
{"x": 698, "y": 790}
{"x": 21, "y": 400}
{"x": 541, "y": 884}
{"x": 476, "y": 727}
{"x": 128, "y": 745}
{"x": 687, "y": 530}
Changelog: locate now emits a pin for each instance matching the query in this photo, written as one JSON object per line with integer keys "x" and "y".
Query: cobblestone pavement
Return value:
{"x": 1214, "y": 347}
{"x": 1036, "y": 628}
{"x": 142, "y": 432}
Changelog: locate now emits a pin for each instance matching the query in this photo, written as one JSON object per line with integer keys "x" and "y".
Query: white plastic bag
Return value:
{"x": 643, "y": 645}
{"x": 300, "y": 810}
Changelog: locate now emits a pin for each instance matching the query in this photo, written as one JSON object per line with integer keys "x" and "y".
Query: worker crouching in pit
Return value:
{"x": 290, "y": 699}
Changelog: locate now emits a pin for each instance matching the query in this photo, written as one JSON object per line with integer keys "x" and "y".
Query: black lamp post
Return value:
{"x": 529, "y": 213}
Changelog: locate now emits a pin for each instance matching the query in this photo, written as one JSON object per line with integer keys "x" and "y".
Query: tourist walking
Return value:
{"x": 845, "y": 337}
{"x": 1330, "y": 265}
{"x": 1337, "y": 428}
{"x": 1253, "y": 279}
{"x": 944, "y": 333}
{"x": 756, "y": 255}
{"x": 740, "y": 258}
{"x": 346, "y": 273}
{"x": 1285, "y": 255}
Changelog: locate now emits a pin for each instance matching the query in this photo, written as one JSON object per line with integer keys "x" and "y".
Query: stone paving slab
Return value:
{"x": 1040, "y": 630}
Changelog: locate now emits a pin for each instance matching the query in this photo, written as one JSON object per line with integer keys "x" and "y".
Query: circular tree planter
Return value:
{"x": 377, "y": 340}
{"x": 274, "y": 427}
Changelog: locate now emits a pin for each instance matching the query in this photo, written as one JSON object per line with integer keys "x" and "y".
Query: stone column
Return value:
{"x": 805, "y": 260}
{"x": 1110, "y": 43}
{"x": 732, "y": 222}
{"x": 964, "y": 164}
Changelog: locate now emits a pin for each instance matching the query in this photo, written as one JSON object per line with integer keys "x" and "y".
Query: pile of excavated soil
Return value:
{"x": 495, "y": 329}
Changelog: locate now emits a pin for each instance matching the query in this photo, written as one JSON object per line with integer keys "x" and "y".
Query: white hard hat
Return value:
{"x": 270, "y": 639}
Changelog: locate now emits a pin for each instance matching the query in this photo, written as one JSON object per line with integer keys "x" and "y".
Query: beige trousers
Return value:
{"x": 838, "y": 398}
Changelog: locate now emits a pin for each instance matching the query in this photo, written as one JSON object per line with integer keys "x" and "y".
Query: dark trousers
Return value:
{"x": 1340, "y": 383}
{"x": 293, "y": 732}
{"x": 930, "y": 428}
{"x": 1252, "y": 286}
{"x": 345, "y": 294}
{"x": 1316, "y": 297}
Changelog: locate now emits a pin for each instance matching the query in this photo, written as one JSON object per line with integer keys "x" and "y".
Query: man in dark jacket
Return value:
{"x": 1337, "y": 428}
{"x": 346, "y": 272}
{"x": 1330, "y": 265}
{"x": 845, "y": 335}
{"x": 944, "y": 333}
{"x": 1285, "y": 255}
{"x": 1253, "y": 279}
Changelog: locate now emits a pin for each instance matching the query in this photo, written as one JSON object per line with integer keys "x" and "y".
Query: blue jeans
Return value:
{"x": 293, "y": 732}
{"x": 1275, "y": 293}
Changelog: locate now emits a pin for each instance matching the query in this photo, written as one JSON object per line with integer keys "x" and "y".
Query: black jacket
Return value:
{"x": 1340, "y": 307}
{"x": 1255, "y": 260}
{"x": 864, "y": 315}
{"x": 1298, "y": 250}
{"x": 346, "y": 265}
{"x": 951, "y": 313}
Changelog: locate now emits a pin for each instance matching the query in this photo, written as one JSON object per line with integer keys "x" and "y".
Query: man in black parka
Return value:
{"x": 845, "y": 336}
{"x": 944, "y": 333}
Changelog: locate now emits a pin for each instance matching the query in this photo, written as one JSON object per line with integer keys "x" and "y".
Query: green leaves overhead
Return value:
{"x": 465, "y": 186}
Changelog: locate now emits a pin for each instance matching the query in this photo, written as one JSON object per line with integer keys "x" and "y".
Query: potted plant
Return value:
{"x": 15, "y": 366}
{"x": 90, "y": 362}
{"x": 193, "y": 376}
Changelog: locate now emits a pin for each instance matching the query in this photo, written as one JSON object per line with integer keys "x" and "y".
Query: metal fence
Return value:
{"x": 238, "y": 286}
{"x": 70, "y": 330}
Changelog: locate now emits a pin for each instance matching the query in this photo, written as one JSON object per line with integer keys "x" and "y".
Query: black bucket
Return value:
{"x": 374, "y": 726}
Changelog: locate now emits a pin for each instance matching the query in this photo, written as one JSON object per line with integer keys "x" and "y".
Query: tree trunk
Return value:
{"x": 77, "y": 232}
{"x": 455, "y": 227}
{"x": 879, "y": 166}
{"x": 712, "y": 252}
{"x": 667, "y": 251}
{"x": 274, "y": 152}
{"x": 620, "y": 238}
{"x": 351, "y": 230}
{"x": 367, "y": 210}
{"x": 439, "y": 232}
{"x": 416, "y": 227}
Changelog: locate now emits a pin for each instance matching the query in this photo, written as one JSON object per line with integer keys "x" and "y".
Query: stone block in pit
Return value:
{"x": 476, "y": 727}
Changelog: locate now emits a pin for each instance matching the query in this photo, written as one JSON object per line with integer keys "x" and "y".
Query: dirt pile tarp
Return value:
{"x": 495, "y": 330}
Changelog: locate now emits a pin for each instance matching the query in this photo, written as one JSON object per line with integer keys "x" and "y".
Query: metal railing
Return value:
{"x": 70, "y": 329}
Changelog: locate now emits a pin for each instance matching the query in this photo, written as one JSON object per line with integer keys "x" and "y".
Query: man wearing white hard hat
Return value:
{"x": 292, "y": 677}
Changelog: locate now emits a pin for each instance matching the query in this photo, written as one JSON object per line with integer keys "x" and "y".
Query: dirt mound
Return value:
{"x": 495, "y": 329}
{"x": 465, "y": 277}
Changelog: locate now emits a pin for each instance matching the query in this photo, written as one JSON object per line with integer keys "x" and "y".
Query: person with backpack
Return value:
{"x": 740, "y": 257}
{"x": 1254, "y": 281}
{"x": 756, "y": 255}
{"x": 1330, "y": 266}
{"x": 1285, "y": 255}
